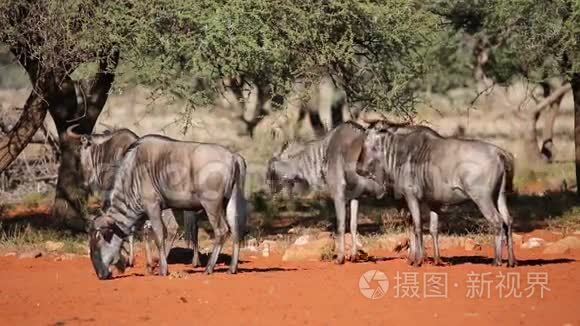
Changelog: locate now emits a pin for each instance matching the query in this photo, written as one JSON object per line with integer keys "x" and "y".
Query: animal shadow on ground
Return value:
{"x": 184, "y": 255}
{"x": 180, "y": 255}
{"x": 481, "y": 260}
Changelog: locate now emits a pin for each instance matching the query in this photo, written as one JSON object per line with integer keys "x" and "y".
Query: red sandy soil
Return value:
{"x": 268, "y": 291}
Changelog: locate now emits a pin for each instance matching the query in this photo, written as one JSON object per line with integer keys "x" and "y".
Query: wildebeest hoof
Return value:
{"x": 232, "y": 271}
{"x": 208, "y": 271}
{"x": 150, "y": 270}
{"x": 414, "y": 263}
{"x": 195, "y": 262}
{"x": 353, "y": 258}
{"x": 512, "y": 263}
{"x": 339, "y": 260}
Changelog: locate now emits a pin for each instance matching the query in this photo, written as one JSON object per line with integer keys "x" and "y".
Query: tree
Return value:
{"x": 193, "y": 49}
{"x": 535, "y": 40}
{"x": 51, "y": 41}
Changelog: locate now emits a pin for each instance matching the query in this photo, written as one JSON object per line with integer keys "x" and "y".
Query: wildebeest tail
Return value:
{"x": 189, "y": 227}
{"x": 508, "y": 162}
{"x": 236, "y": 210}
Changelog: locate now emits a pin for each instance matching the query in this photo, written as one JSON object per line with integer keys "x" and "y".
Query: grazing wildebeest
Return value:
{"x": 158, "y": 173}
{"x": 328, "y": 163}
{"x": 429, "y": 171}
{"x": 98, "y": 155}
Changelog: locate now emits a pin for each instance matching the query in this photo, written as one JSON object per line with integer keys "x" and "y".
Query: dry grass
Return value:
{"x": 27, "y": 236}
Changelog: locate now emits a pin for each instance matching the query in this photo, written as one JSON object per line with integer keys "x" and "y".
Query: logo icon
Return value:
{"x": 373, "y": 284}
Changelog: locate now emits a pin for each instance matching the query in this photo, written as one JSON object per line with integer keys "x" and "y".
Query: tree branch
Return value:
{"x": 556, "y": 94}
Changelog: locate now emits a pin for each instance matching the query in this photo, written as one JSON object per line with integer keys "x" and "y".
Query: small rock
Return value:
{"x": 571, "y": 241}
{"x": 471, "y": 245}
{"x": 533, "y": 243}
{"x": 563, "y": 246}
{"x": 518, "y": 239}
{"x": 556, "y": 248}
{"x": 53, "y": 246}
{"x": 65, "y": 257}
{"x": 313, "y": 250}
{"x": 10, "y": 254}
{"x": 302, "y": 240}
{"x": 31, "y": 254}
{"x": 451, "y": 242}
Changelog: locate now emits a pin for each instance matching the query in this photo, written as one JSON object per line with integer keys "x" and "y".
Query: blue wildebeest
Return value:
{"x": 329, "y": 164}
{"x": 158, "y": 173}
{"x": 429, "y": 171}
{"x": 98, "y": 155}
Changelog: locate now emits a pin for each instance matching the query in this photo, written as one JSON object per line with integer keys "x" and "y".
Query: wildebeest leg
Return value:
{"x": 235, "y": 256}
{"x": 190, "y": 222}
{"x": 216, "y": 217}
{"x": 416, "y": 256}
{"x": 507, "y": 222}
{"x": 353, "y": 229}
{"x": 171, "y": 228}
{"x": 487, "y": 208}
{"x": 340, "y": 209}
{"x": 131, "y": 260}
{"x": 434, "y": 230}
{"x": 154, "y": 213}
{"x": 147, "y": 240}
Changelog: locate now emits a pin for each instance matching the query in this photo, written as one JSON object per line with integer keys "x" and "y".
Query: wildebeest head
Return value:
{"x": 88, "y": 145}
{"x": 373, "y": 151}
{"x": 280, "y": 172}
{"x": 105, "y": 241}
{"x": 273, "y": 179}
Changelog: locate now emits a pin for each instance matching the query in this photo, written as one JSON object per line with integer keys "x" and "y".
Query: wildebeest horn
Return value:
{"x": 70, "y": 133}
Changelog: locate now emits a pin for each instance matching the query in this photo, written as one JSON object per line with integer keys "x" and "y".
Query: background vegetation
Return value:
{"x": 249, "y": 74}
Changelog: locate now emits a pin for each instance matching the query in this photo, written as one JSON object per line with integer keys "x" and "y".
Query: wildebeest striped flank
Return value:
{"x": 429, "y": 171}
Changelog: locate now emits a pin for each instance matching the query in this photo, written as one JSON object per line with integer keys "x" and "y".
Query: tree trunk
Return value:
{"x": 551, "y": 114}
{"x": 31, "y": 119}
{"x": 34, "y": 110}
{"x": 576, "y": 93}
{"x": 530, "y": 136}
{"x": 529, "y": 140}
{"x": 71, "y": 197}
